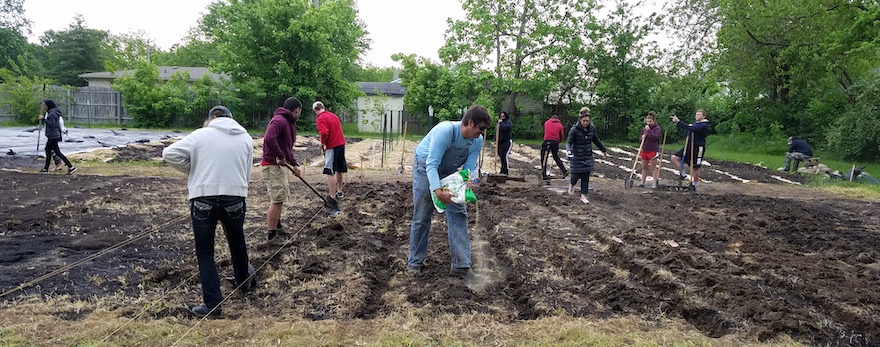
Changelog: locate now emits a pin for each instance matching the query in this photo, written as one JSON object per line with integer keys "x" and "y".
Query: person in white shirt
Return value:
{"x": 217, "y": 160}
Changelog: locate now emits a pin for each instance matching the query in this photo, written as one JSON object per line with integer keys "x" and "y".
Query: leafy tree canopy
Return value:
{"x": 74, "y": 51}
{"x": 285, "y": 48}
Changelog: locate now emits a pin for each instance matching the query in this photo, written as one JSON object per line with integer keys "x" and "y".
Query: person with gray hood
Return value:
{"x": 217, "y": 160}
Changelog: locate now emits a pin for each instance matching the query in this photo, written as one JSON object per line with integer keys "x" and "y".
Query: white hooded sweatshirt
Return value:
{"x": 217, "y": 159}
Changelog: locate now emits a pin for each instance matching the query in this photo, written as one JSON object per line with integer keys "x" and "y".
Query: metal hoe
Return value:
{"x": 328, "y": 202}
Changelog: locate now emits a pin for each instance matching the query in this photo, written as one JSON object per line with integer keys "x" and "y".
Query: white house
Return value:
{"x": 382, "y": 99}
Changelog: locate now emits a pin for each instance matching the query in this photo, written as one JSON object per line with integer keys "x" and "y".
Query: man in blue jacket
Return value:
{"x": 798, "y": 151}
{"x": 446, "y": 148}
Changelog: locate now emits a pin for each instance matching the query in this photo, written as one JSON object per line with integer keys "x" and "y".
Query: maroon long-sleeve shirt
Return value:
{"x": 279, "y": 138}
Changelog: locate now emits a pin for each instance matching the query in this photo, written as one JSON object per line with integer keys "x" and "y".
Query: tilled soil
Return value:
{"x": 757, "y": 260}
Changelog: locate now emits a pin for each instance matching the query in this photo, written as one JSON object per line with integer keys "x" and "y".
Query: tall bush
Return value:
{"x": 854, "y": 135}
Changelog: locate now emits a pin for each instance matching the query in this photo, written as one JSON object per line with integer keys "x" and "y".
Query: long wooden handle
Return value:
{"x": 403, "y": 143}
{"x": 662, "y": 148}
{"x": 304, "y": 181}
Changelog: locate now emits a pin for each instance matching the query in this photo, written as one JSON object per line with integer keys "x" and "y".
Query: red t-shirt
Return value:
{"x": 330, "y": 129}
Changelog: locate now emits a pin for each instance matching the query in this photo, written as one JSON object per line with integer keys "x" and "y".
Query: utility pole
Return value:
{"x": 316, "y": 3}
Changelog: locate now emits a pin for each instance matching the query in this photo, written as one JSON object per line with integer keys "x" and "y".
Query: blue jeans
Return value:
{"x": 423, "y": 212}
{"x": 206, "y": 212}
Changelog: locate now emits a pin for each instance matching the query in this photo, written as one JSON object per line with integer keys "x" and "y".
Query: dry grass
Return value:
{"x": 855, "y": 192}
{"x": 41, "y": 327}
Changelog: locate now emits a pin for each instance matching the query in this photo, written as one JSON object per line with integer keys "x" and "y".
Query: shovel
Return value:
{"x": 329, "y": 203}
{"x": 402, "y": 149}
{"x": 628, "y": 183}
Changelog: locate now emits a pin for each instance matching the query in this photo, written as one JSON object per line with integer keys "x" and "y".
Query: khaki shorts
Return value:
{"x": 277, "y": 185}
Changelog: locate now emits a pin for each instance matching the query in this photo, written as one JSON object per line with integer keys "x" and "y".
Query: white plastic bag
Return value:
{"x": 455, "y": 183}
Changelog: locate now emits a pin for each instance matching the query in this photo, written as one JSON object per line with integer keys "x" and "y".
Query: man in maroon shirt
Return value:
{"x": 553, "y": 135}
{"x": 333, "y": 147}
{"x": 277, "y": 152}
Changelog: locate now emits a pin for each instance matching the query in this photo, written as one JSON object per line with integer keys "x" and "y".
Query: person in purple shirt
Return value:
{"x": 277, "y": 153}
{"x": 448, "y": 147}
{"x": 650, "y": 150}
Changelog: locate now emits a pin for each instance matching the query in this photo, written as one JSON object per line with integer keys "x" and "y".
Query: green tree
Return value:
{"x": 196, "y": 50}
{"x": 192, "y": 53}
{"x": 624, "y": 76}
{"x": 74, "y": 51}
{"x": 370, "y": 73}
{"x": 12, "y": 45}
{"x": 446, "y": 90}
{"x": 285, "y": 48}
{"x": 854, "y": 134}
{"x": 129, "y": 48}
{"x": 144, "y": 97}
{"x": 792, "y": 64}
{"x": 209, "y": 93}
{"x": 22, "y": 92}
{"x": 521, "y": 36}
{"x": 12, "y": 16}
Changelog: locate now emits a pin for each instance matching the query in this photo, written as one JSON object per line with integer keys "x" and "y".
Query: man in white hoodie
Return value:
{"x": 217, "y": 160}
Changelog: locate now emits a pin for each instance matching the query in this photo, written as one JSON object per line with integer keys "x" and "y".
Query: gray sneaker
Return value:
{"x": 640, "y": 184}
{"x": 413, "y": 270}
{"x": 654, "y": 185}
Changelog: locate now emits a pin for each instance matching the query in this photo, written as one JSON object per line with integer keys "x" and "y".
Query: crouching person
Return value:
{"x": 217, "y": 160}
{"x": 798, "y": 151}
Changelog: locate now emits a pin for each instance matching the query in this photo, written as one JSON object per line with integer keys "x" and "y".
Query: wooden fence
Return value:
{"x": 86, "y": 105}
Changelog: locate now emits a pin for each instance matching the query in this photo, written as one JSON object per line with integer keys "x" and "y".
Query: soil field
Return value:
{"x": 751, "y": 254}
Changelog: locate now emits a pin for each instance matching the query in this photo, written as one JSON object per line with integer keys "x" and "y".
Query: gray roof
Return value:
{"x": 165, "y": 72}
{"x": 387, "y": 88}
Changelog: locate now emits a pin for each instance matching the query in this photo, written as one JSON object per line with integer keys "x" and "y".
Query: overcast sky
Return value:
{"x": 407, "y": 26}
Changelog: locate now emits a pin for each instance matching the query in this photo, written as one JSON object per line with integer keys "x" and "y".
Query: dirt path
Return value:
{"x": 755, "y": 260}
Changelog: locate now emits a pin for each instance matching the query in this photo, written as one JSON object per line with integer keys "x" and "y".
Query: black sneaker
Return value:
{"x": 44, "y": 171}
{"x": 339, "y": 195}
{"x": 203, "y": 311}
{"x": 271, "y": 234}
{"x": 71, "y": 170}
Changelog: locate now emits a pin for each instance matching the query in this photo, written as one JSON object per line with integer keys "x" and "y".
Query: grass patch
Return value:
{"x": 254, "y": 329}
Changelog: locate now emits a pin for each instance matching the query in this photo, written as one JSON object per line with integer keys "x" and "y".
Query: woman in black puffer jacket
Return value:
{"x": 53, "y": 134}
{"x": 581, "y": 138}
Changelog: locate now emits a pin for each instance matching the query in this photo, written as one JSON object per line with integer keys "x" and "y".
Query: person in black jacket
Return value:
{"x": 581, "y": 139}
{"x": 798, "y": 151}
{"x": 692, "y": 154}
{"x": 53, "y": 134}
{"x": 505, "y": 140}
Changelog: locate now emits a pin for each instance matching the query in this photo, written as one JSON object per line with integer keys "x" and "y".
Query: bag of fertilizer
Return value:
{"x": 456, "y": 183}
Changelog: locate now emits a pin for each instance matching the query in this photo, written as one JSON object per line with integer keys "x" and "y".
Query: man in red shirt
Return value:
{"x": 553, "y": 135}
{"x": 333, "y": 146}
